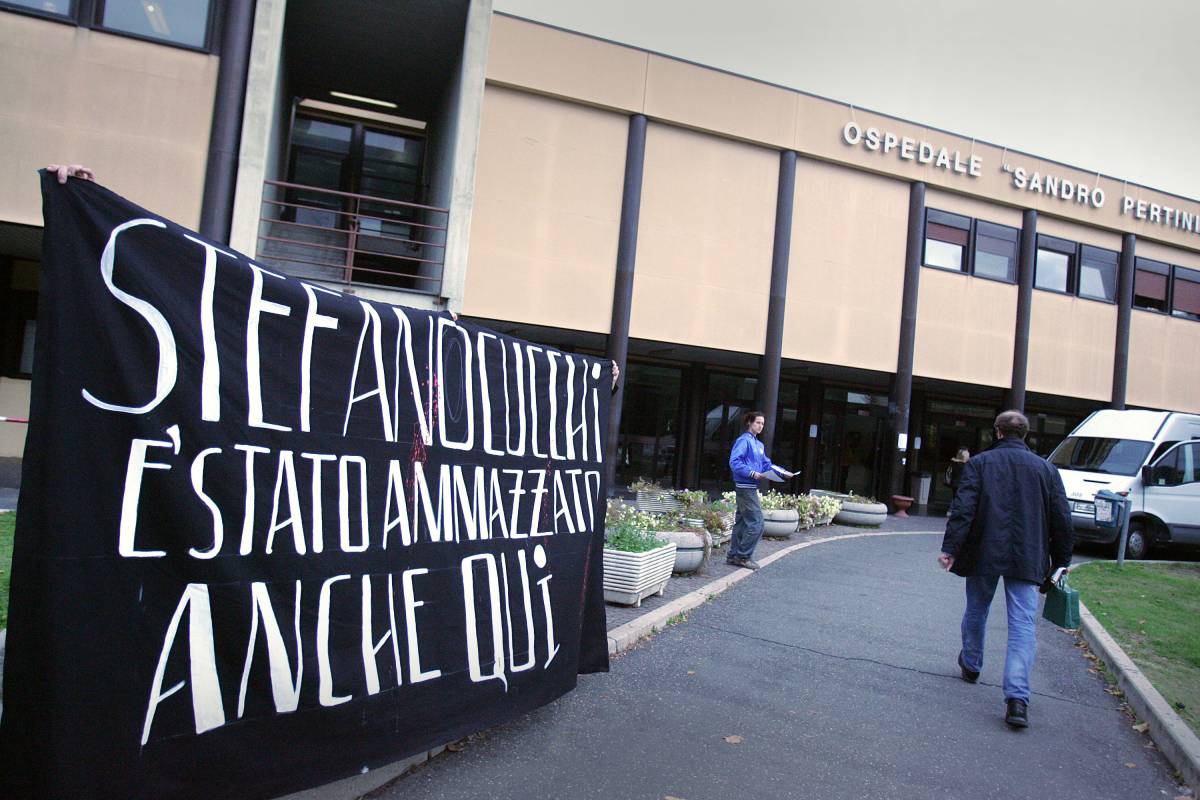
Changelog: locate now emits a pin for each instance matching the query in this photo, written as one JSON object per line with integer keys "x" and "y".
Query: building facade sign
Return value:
{"x": 910, "y": 149}
{"x": 1055, "y": 186}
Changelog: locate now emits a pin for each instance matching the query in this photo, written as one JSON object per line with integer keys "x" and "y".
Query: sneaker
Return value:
{"x": 734, "y": 561}
{"x": 970, "y": 676}
{"x": 1018, "y": 713}
{"x": 750, "y": 564}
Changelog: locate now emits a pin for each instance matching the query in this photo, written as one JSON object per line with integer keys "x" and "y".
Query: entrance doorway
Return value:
{"x": 849, "y": 451}
{"x": 949, "y": 426}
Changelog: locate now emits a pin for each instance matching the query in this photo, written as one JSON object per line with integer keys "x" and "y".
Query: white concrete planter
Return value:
{"x": 657, "y": 502}
{"x": 780, "y": 522}
{"x": 631, "y": 577}
{"x": 689, "y": 549}
{"x": 872, "y": 514}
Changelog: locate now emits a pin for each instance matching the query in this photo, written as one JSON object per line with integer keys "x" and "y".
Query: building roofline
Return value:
{"x": 853, "y": 106}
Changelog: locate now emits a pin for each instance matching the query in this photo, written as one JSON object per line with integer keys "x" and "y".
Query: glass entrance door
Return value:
{"x": 849, "y": 447}
{"x": 949, "y": 426}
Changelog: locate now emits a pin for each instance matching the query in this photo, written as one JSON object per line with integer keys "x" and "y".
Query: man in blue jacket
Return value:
{"x": 749, "y": 464}
{"x": 1009, "y": 519}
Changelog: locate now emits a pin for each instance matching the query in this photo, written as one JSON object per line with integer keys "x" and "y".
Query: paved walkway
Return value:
{"x": 828, "y": 674}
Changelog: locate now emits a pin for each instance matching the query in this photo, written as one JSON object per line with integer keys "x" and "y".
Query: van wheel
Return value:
{"x": 1138, "y": 543}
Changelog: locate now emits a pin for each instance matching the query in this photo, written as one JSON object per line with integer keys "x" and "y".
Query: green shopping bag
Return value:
{"x": 1062, "y": 604}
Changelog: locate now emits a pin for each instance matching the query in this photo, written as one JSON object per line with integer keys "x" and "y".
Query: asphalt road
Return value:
{"x": 835, "y": 667}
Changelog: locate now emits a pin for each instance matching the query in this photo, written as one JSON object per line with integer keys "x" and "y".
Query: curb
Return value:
{"x": 1172, "y": 735}
{"x": 624, "y": 637}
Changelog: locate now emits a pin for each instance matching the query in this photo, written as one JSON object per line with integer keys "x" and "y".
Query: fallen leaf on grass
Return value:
{"x": 735, "y": 739}
{"x": 1142, "y": 727}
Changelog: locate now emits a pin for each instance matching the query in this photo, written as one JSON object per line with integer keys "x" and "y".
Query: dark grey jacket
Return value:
{"x": 1010, "y": 516}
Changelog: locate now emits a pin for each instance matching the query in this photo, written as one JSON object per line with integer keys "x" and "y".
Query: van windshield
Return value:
{"x": 1107, "y": 456}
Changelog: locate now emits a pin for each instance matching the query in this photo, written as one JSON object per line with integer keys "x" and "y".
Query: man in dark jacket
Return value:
{"x": 1009, "y": 519}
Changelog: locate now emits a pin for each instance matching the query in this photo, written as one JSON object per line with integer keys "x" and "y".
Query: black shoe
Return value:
{"x": 970, "y": 676}
{"x": 750, "y": 564}
{"x": 1018, "y": 713}
{"x": 734, "y": 561}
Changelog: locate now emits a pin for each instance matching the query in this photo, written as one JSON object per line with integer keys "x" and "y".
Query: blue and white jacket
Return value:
{"x": 748, "y": 456}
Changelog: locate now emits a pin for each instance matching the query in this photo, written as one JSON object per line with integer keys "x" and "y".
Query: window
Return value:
{"x": 1150, "y": 284}
{"x": 186, "y": 23}
{"x": 179, "y": 21}
{"x": 1098, "y": 273}
{"x": 976, "y": 247}
{"x": 53, "y": 8}
{"x": 1055, "y": 264}
{"x": 946, "y": 238}
{"x": 1106, "y": 456}
{"x": 1183, "y": 463}
{"x": 1185, "y": 293}
{"x": 995, "y": 251}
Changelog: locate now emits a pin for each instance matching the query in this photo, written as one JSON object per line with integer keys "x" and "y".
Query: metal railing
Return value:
{"x": 340, "y": 237}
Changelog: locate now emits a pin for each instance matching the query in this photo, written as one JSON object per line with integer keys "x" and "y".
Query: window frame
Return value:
{"x": 1116, "y": 274}
{"x": 90, "y": 14}
{"x": 1016, "y": 256}
{"x": 1189, "y": 276}
{"x": 971, "y": 226}
{"x": 1064, "y": 247}
{"x": 948, "y": 219}
{"x": 1165, "y": 270}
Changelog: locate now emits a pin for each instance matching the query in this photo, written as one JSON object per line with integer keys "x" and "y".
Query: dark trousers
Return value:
{"x": 748, "y": 527}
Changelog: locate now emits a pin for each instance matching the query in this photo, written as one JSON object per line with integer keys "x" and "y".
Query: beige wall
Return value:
{"x": 1073, "y": 231}
{"x": 1171, "y": 255}
{"x": 1071, "y": 343}
{"x": 547, "y": 211}
{"x": 138, "y": 113}
{"x": 591, "y": 71}
{"x": 965, "y": 328}
{"x": 846, "y": 272}
{"x": 14, "y": 402}
{"x": 705, "y": 234}
{"x": 1164, "y": 362}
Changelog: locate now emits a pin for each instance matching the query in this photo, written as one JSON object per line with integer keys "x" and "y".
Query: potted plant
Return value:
{"x": 637, "y": 563}
{"x": 653, "y": 497}
{"x": 827, "y": 508}
{"x": 780, "y": 518}
{"x": 692, "y": 542}
{"x": 718, "y": 523}
{"x": 856, "y": 509}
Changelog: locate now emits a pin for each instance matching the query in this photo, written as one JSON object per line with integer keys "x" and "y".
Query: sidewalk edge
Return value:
{"x": 1174, "y": 738}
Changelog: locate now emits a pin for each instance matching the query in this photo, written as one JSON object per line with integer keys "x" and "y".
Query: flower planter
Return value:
{"x": 780, "y": 523}
{"x": 631, "y": 577}
{"x": 657, "y": 502}
{"x": 690, "y": 549}
{"x": 869, "y": 514}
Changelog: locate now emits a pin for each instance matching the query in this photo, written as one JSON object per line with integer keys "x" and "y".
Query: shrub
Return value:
{"x": 624, "y": 535}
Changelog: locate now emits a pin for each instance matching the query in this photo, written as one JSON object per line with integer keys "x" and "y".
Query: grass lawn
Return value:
{"x": 7, "y": 522}
{"x": 1153, "y": 611}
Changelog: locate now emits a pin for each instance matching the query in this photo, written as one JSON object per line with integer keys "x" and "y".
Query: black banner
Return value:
{"x": 271, "y": 534}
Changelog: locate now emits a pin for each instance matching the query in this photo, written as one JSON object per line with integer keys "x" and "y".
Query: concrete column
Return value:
{"x": 1025, "y": 269}
{"x": 224, "y": 137}
{"x": 768, "y": 369}
{"x": 1124, "y": 313}
{"x": 618, "y": 332}
{"x": 901, "y": 395}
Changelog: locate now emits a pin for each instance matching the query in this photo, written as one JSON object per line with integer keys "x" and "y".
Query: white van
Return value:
{"x": 1152, "y": 457}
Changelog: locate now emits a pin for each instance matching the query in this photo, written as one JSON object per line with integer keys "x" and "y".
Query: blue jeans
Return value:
{"x": 748, "y": 526}
{"x": 1022, "y": 601}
